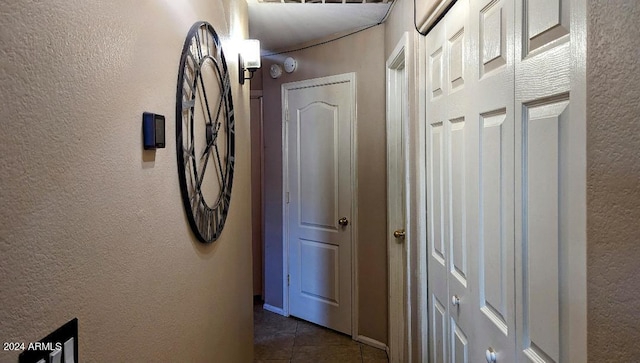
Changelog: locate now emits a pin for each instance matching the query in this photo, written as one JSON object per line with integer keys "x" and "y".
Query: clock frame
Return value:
{"x": 205, "y": 132}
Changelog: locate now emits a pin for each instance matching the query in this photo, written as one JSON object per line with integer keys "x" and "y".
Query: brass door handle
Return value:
{"x": 399, "y": 233}
{"x": 343, "y": 221}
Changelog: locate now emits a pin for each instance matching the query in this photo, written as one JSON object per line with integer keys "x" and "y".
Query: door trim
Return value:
{"x": 286, "y": 87}
{"x": 398, "y": 258}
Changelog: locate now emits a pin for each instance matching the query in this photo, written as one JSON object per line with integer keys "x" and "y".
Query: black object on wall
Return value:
{"x": 61, "y": 346}
{"x": 153, "y": 130}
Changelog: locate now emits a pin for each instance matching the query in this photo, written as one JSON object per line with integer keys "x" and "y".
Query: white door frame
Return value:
{"x": 398, "y": 133}
{"x": 286, "y": 87}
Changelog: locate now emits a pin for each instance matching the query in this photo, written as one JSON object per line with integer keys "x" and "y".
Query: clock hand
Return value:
{"x": 222, "y": 174}
{"x": 206, "y": 100}
{"x": 207, "y": 148}
{"x": 214, "y": 137}
{"x": 225, "y": 84}
{"x": 222, "y": 97}
{"x": 219, "y": 109}
{"x": 201, "y": 176}
{"x": 206, "y": 162}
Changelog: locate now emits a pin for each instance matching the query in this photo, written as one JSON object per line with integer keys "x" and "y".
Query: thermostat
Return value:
{"x": 153, "y": 130}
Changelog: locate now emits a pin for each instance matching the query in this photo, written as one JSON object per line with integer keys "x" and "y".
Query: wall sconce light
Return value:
{"x": 248, "y": 58}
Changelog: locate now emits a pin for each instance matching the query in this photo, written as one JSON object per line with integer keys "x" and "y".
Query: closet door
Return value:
{"x": 470, "y": 183}
{"x": 451, "y": 181}
{"x": 437, "y": 223}
{"x": 550, "y": 181}
{"x": 492, "y": 109}
{"x": 505, "y": 154}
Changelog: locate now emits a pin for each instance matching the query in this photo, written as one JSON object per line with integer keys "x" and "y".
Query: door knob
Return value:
{"x": 343, "y": 221}
{"x": 455, "y": 300}
{"x": 400, "y": 233}
{"x": 490, "y": 354}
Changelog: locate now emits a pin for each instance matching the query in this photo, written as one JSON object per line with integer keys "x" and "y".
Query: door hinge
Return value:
{"x": 286, "y": 198}
{"x": 288, "y": 280}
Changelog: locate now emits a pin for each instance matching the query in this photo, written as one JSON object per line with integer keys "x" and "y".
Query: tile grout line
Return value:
{"x": 295, "y": 335}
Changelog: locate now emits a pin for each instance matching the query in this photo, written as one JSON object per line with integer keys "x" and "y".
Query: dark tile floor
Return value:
{"x": 288, "y": 340}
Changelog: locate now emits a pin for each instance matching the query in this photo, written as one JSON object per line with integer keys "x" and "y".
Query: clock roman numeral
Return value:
{"x": 232, "y": 123}
{"x": 218, "y": 50}
{"x": 214, "y": 220}
{"x": 198, "y": 45}
{"x": 208, "y": 41}
{"x": 206, "y": 223}
{"x": 202, "y": 222}
{"x": 190, "y": 83}
{"x": 188, "y": 104}
{"x": 203, "y": 41}
{"x": 196, "y": 63}
{"x": 226, "y": 85}
{"x": 225, "y": 200}
{"x": 195, "y": 200}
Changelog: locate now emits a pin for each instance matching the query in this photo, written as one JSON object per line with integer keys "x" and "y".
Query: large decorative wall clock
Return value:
{"x": 205, "y": 135}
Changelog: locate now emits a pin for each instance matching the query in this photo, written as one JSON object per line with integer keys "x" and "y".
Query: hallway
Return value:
{"x": 287, "y": 340}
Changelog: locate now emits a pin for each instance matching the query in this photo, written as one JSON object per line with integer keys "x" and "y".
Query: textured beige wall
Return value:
{"x": 400, "y": 20}
{"x": 613, "y": 180}
{"x": 90, "y": 226}
{"x": 362, "y": 53}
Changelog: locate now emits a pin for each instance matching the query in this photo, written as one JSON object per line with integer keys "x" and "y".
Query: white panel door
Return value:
{"x": 492, "y": 109}
{"x": 437, "y": 251}
{"x": 505, "y": 175}
{"x": 470, "y": 171}
{"x": 550, "y": 182}
{"x": 451, "y": 161}
{"x": 319, "y": 135}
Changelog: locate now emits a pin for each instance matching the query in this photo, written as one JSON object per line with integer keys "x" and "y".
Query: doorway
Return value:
{"x": 397, "y": 200}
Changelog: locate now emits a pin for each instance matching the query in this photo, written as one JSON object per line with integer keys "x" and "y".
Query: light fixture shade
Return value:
{"x": 251, "y": 53}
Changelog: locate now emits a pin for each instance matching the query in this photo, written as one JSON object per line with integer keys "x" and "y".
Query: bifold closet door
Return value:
{"x": 452, "y": 178}
{"x": 505, "y": 181}
{"x": 470, "y": 176}
{"x": 492, "y": 107}
{"x": 550, "y": 181}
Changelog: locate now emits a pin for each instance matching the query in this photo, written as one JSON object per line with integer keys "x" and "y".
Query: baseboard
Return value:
{"x": 372, "y": 342}
{"x": 273, "y": 309}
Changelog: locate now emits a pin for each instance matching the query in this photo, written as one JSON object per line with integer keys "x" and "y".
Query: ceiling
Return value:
{"x": 280, "y": 25}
